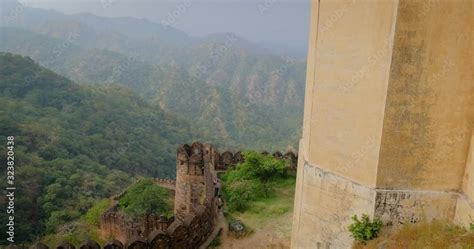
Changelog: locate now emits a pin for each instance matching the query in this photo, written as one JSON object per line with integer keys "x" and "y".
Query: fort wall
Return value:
{"x": 194, "y": 196}
{"x": 195, "y": 205}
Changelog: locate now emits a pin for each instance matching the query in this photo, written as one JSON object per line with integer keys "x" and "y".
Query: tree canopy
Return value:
{"x": 77, "y": 144}
{"x": 251, "y": 179}
{"x": 145, "y": 197}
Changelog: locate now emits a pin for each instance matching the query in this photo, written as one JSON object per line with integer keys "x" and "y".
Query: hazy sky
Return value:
{"x": 278, "y": 22}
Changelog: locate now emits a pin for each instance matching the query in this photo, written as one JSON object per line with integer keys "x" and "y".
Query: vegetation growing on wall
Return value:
{"x": 145, "y": 197}
{"x": 364, "y": 229}
{"x": 93, "y": 214}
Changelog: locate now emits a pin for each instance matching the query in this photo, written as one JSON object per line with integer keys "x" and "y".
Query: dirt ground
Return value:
{"x": 274, "y": 234}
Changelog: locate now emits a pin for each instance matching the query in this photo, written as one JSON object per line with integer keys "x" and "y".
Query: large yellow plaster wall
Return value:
{"x": 464, "y": 214}
{"x": 310, "y": 75}
{"x": 429, "y": 110}
{"x": 468, "y": 181}
{"x": 298, "y": 201}
{"x": 343, "y": 83}
{"x": 329, "y": 202}
{"x": 388, "y": 117}
{"x": 348, "y": 91}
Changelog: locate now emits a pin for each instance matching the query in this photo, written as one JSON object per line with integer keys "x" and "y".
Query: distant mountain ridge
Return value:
{"x": 237, "y": 96}
{"x": 140, "y": 30}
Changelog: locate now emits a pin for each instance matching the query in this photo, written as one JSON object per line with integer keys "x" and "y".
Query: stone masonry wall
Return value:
{"x": 194, "y": 190}
{"x": 195, "y": 205}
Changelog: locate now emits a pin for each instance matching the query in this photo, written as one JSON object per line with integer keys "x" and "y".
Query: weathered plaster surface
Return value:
{"x": 398, "y": 207}
{"x": 388, "y": 117}
{"x": 329, "y": 202}
{"x": 325, "y": 203}
{"x": 310, "y": 75}
{"x": 298, "y": 192}
{"x": 464, "y": 214}
{"x": 348, "y": 91}
{"x": 429, "y": 115}
{"x": 468, "y": 181}
{"x": 465, "y": 205}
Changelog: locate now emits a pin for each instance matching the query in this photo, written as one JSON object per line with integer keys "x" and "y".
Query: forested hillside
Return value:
{"x": 234, "y": 93}
{"x": 98, "y": 101}
{"x": 75, "y": 144}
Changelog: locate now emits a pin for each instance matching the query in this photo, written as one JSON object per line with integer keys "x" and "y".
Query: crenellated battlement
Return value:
{"x": 228, "y": 159}
{"x": 190, "y": 158}
{"x": 166, "y": 183}
{"x": 195, "y": 177}
{"x": 195, "y": 205}
{"x": 122, "y": 227}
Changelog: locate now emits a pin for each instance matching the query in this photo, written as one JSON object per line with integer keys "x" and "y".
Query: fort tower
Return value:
{"x": 195, "y": 178}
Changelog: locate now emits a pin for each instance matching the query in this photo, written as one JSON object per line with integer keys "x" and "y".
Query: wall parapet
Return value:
{"x": 194, "y": 189}
{"x": 228, "y": 159}
{"x": 188, "y": 228}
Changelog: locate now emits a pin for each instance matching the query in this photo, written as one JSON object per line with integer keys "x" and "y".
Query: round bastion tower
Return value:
{"x": 195, "y": 178}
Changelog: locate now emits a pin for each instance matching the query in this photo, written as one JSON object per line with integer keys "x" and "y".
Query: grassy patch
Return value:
{"x": 259, "y": 192}
{"x": 252, "y": 180}
{"x": 263, "y": 209}
{"x": 437, "y": 234}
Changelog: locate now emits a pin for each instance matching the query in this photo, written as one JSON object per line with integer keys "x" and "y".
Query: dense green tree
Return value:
{"x": 76, "y": 144}
{"x": 252, "y": 179}
{"x": 238, "y": 99}
{"x": 145, "y": 197}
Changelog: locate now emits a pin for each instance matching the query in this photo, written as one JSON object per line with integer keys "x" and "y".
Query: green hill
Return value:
{"x": 237, "y": 100}
{"x": 76, "y": 144}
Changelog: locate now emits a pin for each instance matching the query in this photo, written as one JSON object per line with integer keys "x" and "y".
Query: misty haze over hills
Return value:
{"x": 233, "y": 92}
{"x": 278, "y": 26}
{"x": 95, "y": 100}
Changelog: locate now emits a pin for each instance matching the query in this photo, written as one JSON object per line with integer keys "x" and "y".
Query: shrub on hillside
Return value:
{"x": 252, "y": 179}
